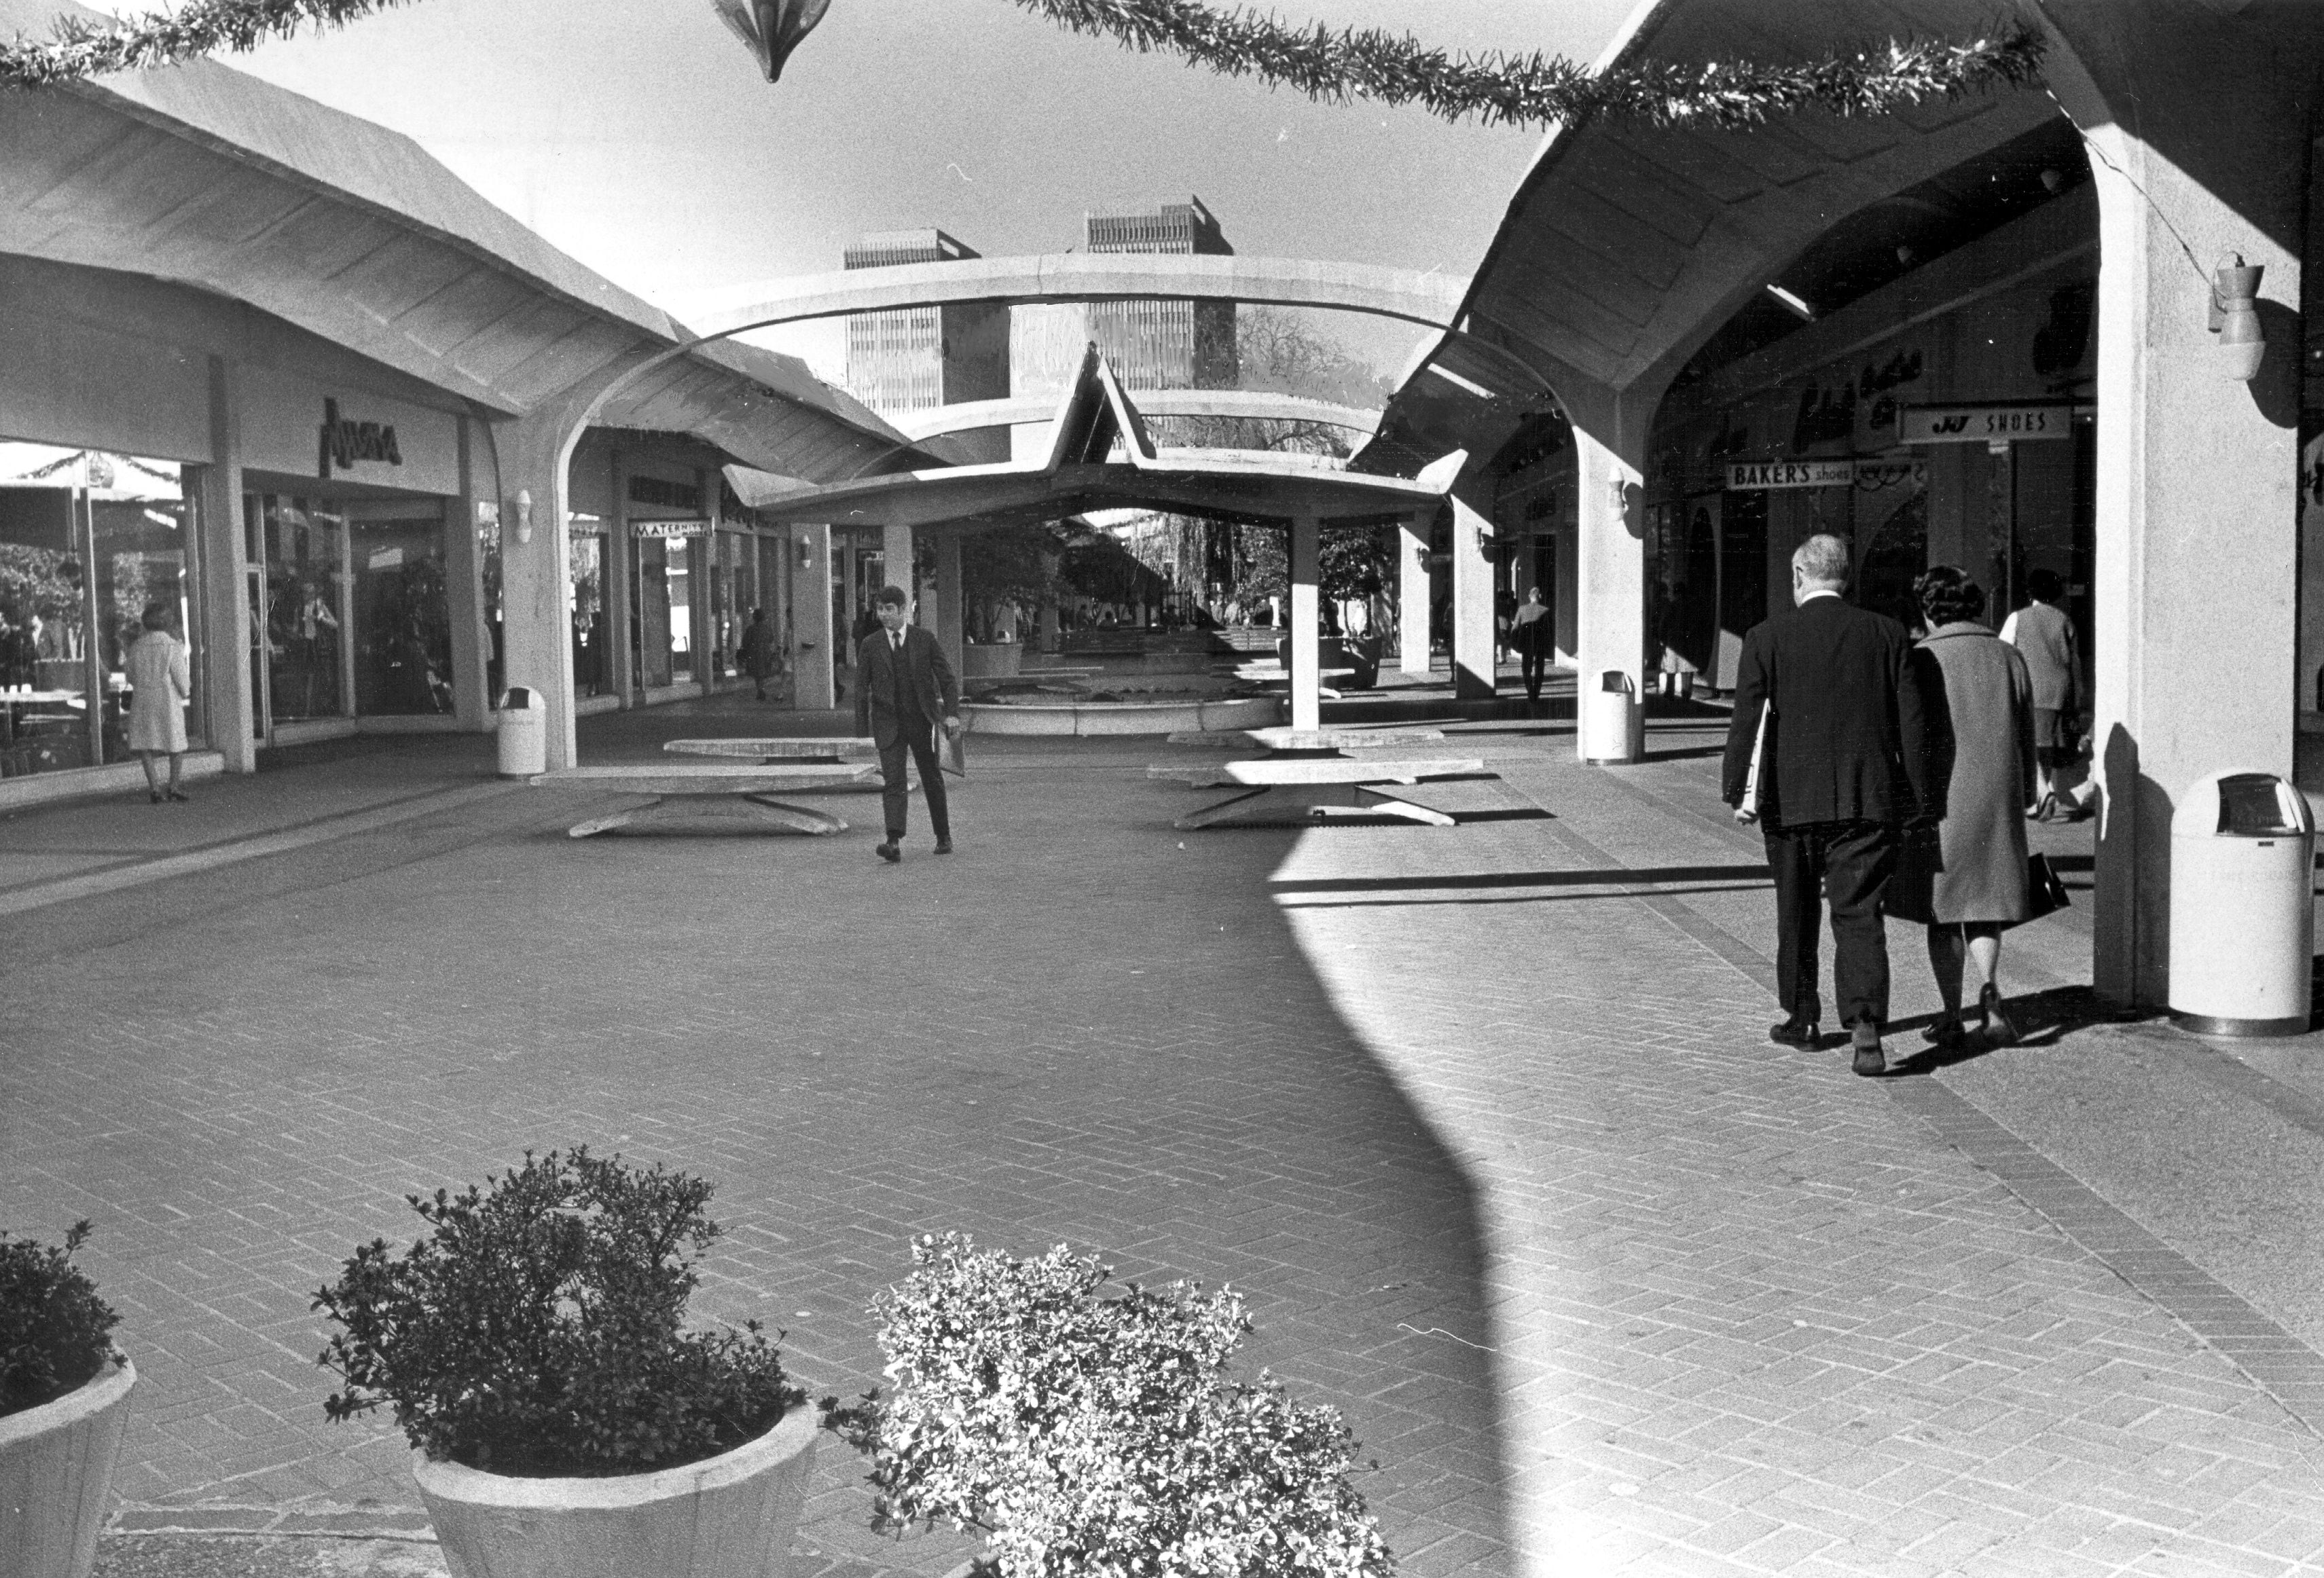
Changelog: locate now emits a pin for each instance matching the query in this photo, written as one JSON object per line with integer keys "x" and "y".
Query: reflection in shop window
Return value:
{"x": 299, "y": 554}
{"x": 402, "y": 611}
{"x": 88, "y": 540}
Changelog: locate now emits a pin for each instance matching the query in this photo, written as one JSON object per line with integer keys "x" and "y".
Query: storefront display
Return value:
{"x": 87, "y": 542}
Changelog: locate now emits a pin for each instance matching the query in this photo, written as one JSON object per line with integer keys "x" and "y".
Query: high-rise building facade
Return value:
{"x": 1152, "y": 343}
{"x": 915, "y": 358}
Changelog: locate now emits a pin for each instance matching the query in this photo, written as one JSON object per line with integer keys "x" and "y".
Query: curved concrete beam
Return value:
{"x": 1432, "y": 299}
{"x": 1256, "y": 404}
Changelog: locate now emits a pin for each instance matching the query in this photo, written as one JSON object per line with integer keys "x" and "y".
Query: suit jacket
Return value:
{"x": 928, "y": 682}
{"x": 1845, "y": 732}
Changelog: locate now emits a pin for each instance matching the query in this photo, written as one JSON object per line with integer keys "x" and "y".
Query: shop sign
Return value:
{"x": 1743, "y": 475}
{"x": 342, "y": 441}
{"x": 670, "y": 528}
{"x": 1984, "y": 424}
{"x": 663, "y": 494}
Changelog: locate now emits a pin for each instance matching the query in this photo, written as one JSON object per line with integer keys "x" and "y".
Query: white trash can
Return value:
{"x": 1609, "y": 708}
{"x": 2243, "y": 920}
{"x": 524, "y": 730}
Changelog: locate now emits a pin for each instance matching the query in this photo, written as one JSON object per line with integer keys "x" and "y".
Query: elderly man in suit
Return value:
{"x": 903, "y": 688}
{"x": 1840, "y": 771}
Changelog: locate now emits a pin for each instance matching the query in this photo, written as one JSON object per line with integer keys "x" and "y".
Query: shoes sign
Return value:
{"x": 2005, "y": 422}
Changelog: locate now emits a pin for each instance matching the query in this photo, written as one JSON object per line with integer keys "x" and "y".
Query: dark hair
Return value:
{"x": 2045, "y": 585}
{"x": 155, "y": 617}
{"x": 890, "y": 597}
{"x": 1947, "y": 596}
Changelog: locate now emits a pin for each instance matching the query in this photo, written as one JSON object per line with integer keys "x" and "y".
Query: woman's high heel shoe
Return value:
{"x": 1998, "y": 1031}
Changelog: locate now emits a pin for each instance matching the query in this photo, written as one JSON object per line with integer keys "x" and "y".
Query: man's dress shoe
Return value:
{"x": 944, "y": 847}
{"x": 889, "y": 852}
{"x": 1868, "y": 1060}
{"x": 1794, "y": 1033}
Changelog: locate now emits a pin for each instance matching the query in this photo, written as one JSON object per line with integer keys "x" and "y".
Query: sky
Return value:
{"x": 638, "y": 135}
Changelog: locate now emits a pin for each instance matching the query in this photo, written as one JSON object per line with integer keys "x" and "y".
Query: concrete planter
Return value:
{"x": 991, "y": 660}
{"x": 732, "y": 1516}
{"x": 56, "y": 1477}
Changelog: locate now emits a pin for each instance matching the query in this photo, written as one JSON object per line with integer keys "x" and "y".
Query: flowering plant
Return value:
{"x": 1093, "y": 1435}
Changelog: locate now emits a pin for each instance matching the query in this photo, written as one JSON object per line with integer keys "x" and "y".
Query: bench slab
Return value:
{"x": 719, "y": 779}
{"x": 827, "y": 749}
{"x": 1272, "y": 773}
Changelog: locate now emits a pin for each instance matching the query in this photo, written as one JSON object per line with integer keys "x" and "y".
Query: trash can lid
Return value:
{"x": 518, "y": 699}
{"x": 2242, "y": 804}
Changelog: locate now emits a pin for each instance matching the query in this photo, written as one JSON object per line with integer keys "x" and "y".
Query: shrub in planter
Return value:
{"x": 64, "y": 1405}
{"x": 1092, "y": 1435}
{"x": 539, "y": 1329}
{"x": 54, "y": 1330}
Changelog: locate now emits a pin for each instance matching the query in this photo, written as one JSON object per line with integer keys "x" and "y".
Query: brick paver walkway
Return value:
{"x": 1483, "y": 1119}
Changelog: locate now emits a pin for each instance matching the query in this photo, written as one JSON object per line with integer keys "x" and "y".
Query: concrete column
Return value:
{"x": 226, "y": 701}
{"x": 620, "y": 582}
{"x": 1307, "y": 574}
{"x": 1411, "y": 591}
{"x": 537, "y": 630}
{"x": 1474, "y": 666}
{"x": 814, "y": 644}
{"x": 951, "y": 627}
{"x": 701, "y": 561}
{"x": 1610, "y": 600}
{"x": 2198, "y": 124}
{"x": 464, "y": 585}
{"x": 896, "y": 556}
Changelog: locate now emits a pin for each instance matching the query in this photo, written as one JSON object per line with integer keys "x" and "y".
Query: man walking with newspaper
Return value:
{"x": 1825, "y": 754}
{"x": 904, "y": 687}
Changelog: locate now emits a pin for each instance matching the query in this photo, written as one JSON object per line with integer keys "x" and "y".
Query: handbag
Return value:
{"x": 2043, "y": 890}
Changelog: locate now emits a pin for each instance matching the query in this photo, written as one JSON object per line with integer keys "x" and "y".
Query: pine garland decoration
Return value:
{"x": 1335, "y": 65}
{"x": 200, "y": 27}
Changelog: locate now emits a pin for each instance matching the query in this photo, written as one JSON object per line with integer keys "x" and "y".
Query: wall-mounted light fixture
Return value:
{"x": 2235, "y": 319}
{"x": 524, "y": 514}
{"x": 806, "y": 553}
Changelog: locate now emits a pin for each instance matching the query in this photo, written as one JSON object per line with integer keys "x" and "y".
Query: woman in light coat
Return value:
{"x": 1971, "y": 886}
{"x": 160, "y": 683}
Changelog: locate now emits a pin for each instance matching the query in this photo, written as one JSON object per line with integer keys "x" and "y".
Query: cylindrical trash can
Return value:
{"x": 523, "y": 733}
{"x": 1608, "y": 709}
{"x": 2243, "y": 922}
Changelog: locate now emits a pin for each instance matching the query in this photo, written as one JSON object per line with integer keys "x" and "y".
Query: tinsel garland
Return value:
{"x": 1337, "y": 64}
{"x": 81, "y": 49}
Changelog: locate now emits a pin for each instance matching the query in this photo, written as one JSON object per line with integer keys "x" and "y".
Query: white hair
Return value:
{"x": 1822, "y": 561}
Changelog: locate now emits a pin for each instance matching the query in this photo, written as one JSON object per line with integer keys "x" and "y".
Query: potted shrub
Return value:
{"x": 1091, "y": 1434}
{"x": 64, "y": 1403}
{"x": 563, "y": 1422}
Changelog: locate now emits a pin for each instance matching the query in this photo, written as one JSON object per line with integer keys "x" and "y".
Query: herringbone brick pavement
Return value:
{"x": 1483, "y": 1119}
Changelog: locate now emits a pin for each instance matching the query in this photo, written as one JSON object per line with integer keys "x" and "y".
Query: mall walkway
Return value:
{"x": 1483, "y": 1120}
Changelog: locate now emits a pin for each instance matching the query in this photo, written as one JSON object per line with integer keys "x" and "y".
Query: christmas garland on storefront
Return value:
{"x": 1338, "y": 64}
{"x": 1325, "y": 63}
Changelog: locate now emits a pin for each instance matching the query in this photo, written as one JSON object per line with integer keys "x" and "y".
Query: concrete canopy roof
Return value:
{"x": 1246, "y": 404}
{"x": 202, "y": 175}
{"x": 1079, "y": 474}
{"x": 1627, "y": 246}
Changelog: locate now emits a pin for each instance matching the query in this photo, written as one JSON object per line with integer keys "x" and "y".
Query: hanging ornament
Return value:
{"x": 772, "y": 28}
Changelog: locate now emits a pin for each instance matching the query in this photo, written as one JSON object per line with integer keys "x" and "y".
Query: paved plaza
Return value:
{"x": 1482, "y": 1119}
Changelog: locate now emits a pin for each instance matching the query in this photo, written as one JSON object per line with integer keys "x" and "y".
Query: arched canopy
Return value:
{"x": 1628, "y": 244}
{"x": 1428, "y": 298}
{"x": 1249, "y": 404}
{"x": 1101, "y": 456}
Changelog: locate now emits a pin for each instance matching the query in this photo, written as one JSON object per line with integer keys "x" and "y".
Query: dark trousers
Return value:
{"x": 916, "y": 733}
{"x": 1847, "y": 863}
{"x": 1531, "y": 662}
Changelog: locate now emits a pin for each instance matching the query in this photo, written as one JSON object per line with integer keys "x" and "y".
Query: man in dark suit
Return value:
{"x": 1840, "y": 772}
{"x": 903, "y": 688}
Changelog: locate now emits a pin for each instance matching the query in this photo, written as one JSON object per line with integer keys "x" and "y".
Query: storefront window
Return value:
{"x": 402, "y": 613}
{"x": 592, "y": 667}
{"x": 654, "y": 620}
{"x": 299, "y": 556}
{"x": 88, "y": 540}
{"x": 681, "y": 609}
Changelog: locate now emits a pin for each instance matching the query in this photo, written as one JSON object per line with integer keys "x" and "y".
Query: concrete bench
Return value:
{"x": 794, "y": 748}
{"x": 1284, "y": 740}
{"x": 725, "y": 792}
{"x": 1300, "y": 790}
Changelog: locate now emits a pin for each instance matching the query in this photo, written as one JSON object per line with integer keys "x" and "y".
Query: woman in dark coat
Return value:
{"x": 1968, "y": 883}
{"x": 761, "y": 657}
